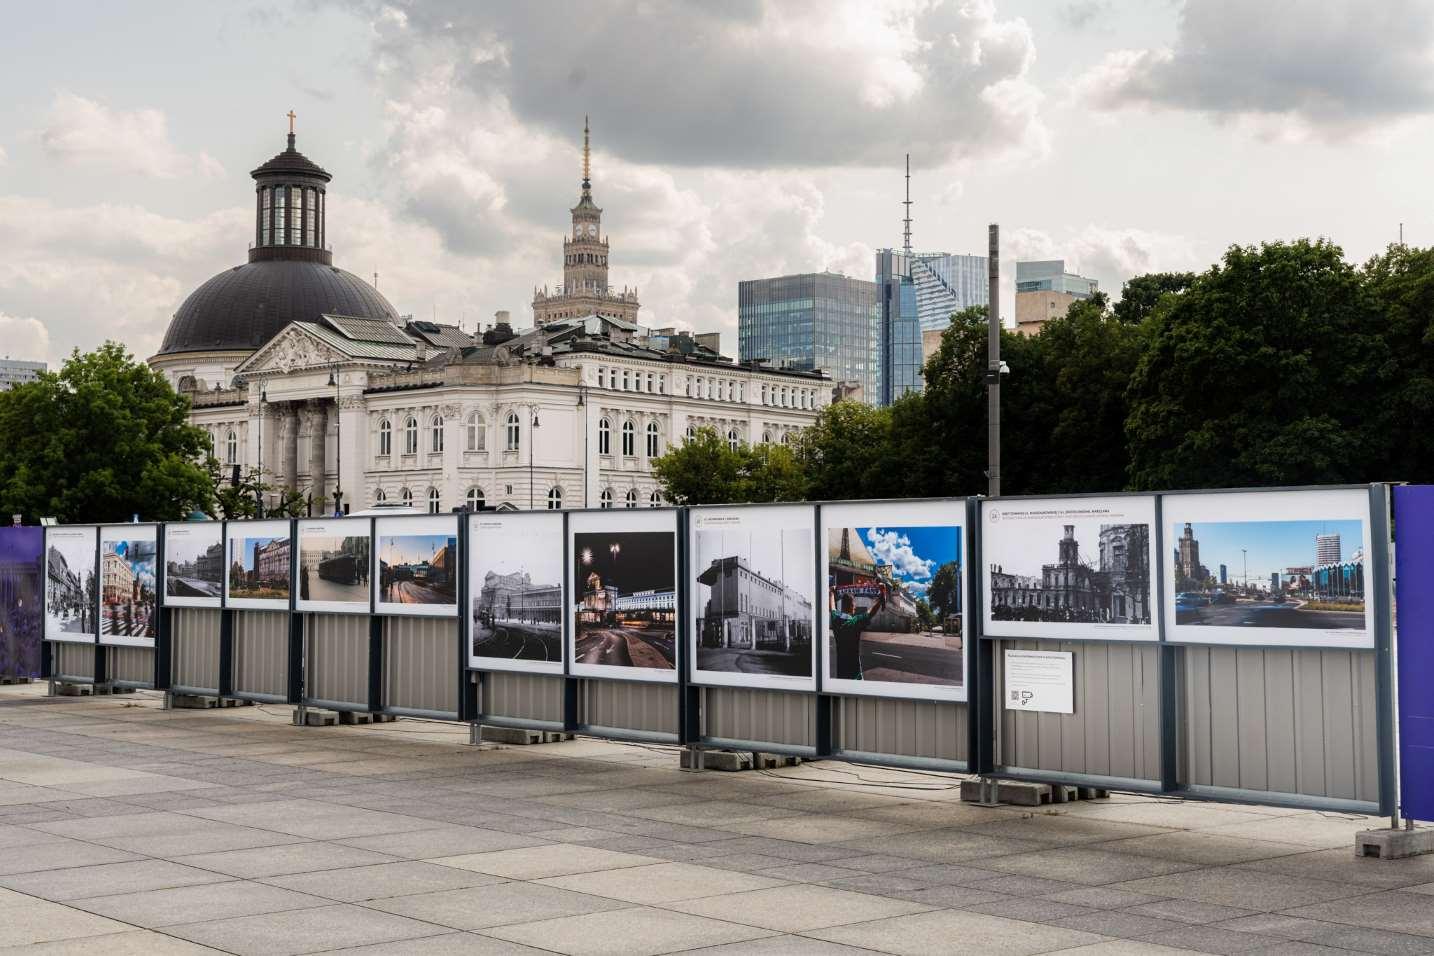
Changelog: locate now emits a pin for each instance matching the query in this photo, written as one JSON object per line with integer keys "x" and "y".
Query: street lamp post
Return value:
{"x": 259, "y": 481}
{"x": 532, "y": 440}
{"x": 338, "y": 446}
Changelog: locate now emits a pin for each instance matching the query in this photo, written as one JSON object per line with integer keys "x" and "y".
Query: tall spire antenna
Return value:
{"x": 906, "y": 245}
{"x": 587, "y": 167}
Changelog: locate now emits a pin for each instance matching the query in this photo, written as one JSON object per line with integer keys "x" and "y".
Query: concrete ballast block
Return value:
{"x": 1394, "y": 844}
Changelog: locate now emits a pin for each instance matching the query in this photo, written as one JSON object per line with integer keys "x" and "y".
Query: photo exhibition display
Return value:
{"x": 260, "y": 574}
{"x": 334, "y": 565}
{"x": 129, "y": 599}
{"x": 72, "y": 597}
{"x": 194, "y": 564}
{"x": 515, "y": 591}
{"x": 416, "y": 566}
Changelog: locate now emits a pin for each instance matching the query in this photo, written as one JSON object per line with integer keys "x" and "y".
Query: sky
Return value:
{"x": 413, "y": 548}
{"x": 731, "y": 141}
{"x": 781, "y": 555}
{"x": 643, "y": 560}
{"x": 914, "y": 554}
{"x": 1271, "y": 545}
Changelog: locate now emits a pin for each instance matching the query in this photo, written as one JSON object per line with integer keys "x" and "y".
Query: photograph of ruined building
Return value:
{"x": 1111, "y": 586}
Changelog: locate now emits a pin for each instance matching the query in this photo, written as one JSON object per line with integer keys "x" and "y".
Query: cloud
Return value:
{"x": 894, "y": 548}
{"x": 1108, "y": 254}
{"x": 1079, "y": 14}
{"x": 1284, "y": 69}
{"x": 85, "y": 132}
{"x": 24, "y": 338}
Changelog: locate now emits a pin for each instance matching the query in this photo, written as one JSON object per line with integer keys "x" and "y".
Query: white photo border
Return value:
{"x": 126, "y": 532}
{"x": 167, "y": 600}
{"x": 312, "y": 606}
{"x": 263, "y": 528}
{"x": 92, "y": 533}
{"x": 401, "y": 526}
{"x": 546, "y": 524}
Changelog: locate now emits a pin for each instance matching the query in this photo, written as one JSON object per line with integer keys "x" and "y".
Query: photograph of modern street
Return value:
{"x": 71, "y": 592}
{"x": 517, "y": 595}
{"x": 753, "y": 600}
{"x": 894, "y": 604}
{"x": 334, "y": 568}
{"x": 417, "y": 569}
{"x": 1108, "y": 586}
{"x": 194, "y": 561}
{"x": 1294, "y": 574}
{"x": 127, "y": 587}
{"x": 259, "y": 568}
{"x": 625, "y": 608}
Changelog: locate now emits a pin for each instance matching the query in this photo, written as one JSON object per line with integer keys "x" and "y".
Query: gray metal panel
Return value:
{"x": 767, "y": 716}
{"x": 261, "y": 653}
{"x": 74, "y": 660}
{"x": 194, "y": 639}
{"x": 630, "y": 705}
{"x": 1115, "y": 730}
{"x": 934, "y": 730}
{"x": 1284, "y": 721}
{"x": 522, "y": 696}
{"x": 337, "y": 653}
{"x": 132, "y": 665}
{"x": 420, "y": 663}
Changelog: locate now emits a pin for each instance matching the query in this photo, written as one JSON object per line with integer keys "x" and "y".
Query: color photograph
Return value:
{"x": 1072, "y": 568}
{"x": 334, "y": 565}
{"x": 515, "y": 592}
{"x": 895, "y": 602}
{"x": 624, "y": 594}
{"x": 1281, "y": 568}
{"x": 752, "y": 588}
{"x": 128, "y": 597}
{"x": 417, "y": 566}
{"x": 72, "y": 596}
{"x": 194, "y": 564}
{"x": 260, "y": 572}
{"x": 22, "y": 552}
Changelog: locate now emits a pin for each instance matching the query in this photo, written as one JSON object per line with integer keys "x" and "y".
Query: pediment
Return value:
{"x": 293, "y": 349}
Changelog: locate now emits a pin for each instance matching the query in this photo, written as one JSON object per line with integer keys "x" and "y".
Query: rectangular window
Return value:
{"x": 310, "y": 237}
{"x": 296, "y": 208}
{"x": 280, "y": 222}
{"x": 264, "y": 212}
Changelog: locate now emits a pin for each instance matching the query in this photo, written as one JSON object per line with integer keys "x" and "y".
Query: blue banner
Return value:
{"x": 1414, "y": 603}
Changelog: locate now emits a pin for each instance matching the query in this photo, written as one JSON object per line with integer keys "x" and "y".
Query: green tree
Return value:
{"x": 103, "y": 439}
{"x": 846, "y": 453}
{"x": 945, "y": 590}
{"x": 705, "y": 469}
{"x": 1141, "y": 294}
{"x": 1402, "y": 282}
{"x": 1267, "y": 370}
{"x": 925, "y": 619}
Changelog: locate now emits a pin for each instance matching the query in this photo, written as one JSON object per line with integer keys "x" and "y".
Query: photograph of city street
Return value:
{"x": 334, "y": 567}
{"x": 894, "y": 604}
{"x": 71, "y": 586}
{"x": 1269, "y": 574}
{"x": 752, "y": 602}
{"x": 417, "y": 569}
{"x": 1110, "y": 585}
{"x": 22, "y": 550}
{"x": 516, "y": 594}
{"x": 625, "y": 609}
{"x": 128, "y": 597}
{"x": 259, "y": 569}
{"x": 194, "y": 564}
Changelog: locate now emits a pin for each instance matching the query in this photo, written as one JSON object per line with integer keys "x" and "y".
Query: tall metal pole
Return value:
{"x": 993, "y": 362}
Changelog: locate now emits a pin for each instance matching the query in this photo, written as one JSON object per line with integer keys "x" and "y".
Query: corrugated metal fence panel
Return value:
{"x": 630, "y": 705}
{"x": 194, "y": 639}
{"x": 337, "y": 669}
{"x": 420, "y": 659}
{"x": 1286, "y": 721}
{"x": 1115, "y": 730}
{"x": 934, "y": 730}
{"x": 765, "y": 716}
{"x": 261, "y": 653}
{"x": 522, "y": 696}
{"x": 74, "y": 660}
{"x": 132, "y": 665}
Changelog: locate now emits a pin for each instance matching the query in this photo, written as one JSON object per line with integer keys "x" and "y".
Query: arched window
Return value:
{"x": 379, "y": 497}
{"x": 231, "y": 448}
{"x": 629, "y": 439}
{"x": 653, "y": 446}
{"x": 604, "y": 436}
{"x": 786, "y": 438}
{"x": 433, "y": 501}
{"x": 513, "y": 432}
{"x": 406, "y": 496}
{"x": 605, "y": 499}
{"x": 632, "y": 497}
{"x": 385, "y": 437}
{"x": 732, "y": 438}
{"x": 476, "y": 434}
{"x": 766, "y": 438}
{"x": 435, "y": 431}
{"x": 475, "y": 499}
{"x": 410, "y": 436}
{"x": 555, "y": 498}
{"x": 654, "y": 500}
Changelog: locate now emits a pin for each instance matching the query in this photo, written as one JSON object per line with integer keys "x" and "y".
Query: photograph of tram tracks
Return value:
{"x": 516, "y": 587}
{"x": 627, "y": 601}
{"x": 417, "y": 569}
{"x": 333, "y": 568}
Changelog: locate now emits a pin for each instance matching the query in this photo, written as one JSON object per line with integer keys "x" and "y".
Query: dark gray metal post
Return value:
{"x": 1169, "y": 657}
{"x": 993, "y": 362}
{"x": 1382, "y": 594}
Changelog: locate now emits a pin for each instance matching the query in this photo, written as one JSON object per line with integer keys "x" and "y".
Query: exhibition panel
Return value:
{"x": 129, "y": 600}
{"x": 334, "y": 565}
{"x": 260, "y": 574}
{"x": 514, "y": 620}
{"x": 193, "y": 569}
{"x": 416, "y": 566}
{"x": 71, "y": 584}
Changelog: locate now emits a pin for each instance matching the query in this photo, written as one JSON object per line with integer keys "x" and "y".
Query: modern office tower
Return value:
{"x": 1045, "y": 290}
{"x": 899, "y": 332}
{"x": 17, "y": 371}
{"x": 813, "y": 321}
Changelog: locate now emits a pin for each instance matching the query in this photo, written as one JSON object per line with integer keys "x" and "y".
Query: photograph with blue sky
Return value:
{"x": 1258, "y": 549}
{"x": 128, "y": 598}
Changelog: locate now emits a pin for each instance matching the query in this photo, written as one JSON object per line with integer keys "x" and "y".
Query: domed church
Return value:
{"x": 305, "y": 374}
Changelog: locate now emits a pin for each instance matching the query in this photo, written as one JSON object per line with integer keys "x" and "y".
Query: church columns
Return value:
{"x": 288, "y": 476}
{"x": 352, "y": 450}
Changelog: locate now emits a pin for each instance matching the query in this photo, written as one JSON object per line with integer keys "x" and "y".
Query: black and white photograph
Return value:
{"x": 334, "y": 565}
{"x": 416, "y": 566}
{"x": 1282, "y": 568}
{"x": 193, "y": 564}
{"x": 261, "y": 570}
{"x": 72, "y": 599}
{"x": 753, "y": 576}
{"x": 1070, "y": 568}
{"x": 515, "y": 592}
{"x": 129, "y": 600}
{"x": 895, "y": 599}
{"x": 623, "y": 594}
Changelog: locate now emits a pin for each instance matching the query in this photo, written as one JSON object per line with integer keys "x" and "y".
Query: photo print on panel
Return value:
{"x": 193, "y": 564}
{"x": 22, "y": 575}
{"x": 260, "y": 569}
{"x": 72, "y": 597}
{"x": 129, "y": 598}
{"x": 515, "y": 592}
{"x": 334, "y": 565}
{"x": 416, "y": 566}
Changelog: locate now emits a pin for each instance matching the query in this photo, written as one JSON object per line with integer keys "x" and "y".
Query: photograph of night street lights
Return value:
{"x": 625, "y": 599}
{"x": 515, "y": 592}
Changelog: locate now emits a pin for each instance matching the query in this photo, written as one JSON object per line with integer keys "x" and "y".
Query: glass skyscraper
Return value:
{"x": 817, "y": 320}
{"x": 899, "y": 336}
{"x": 946, "y": 284}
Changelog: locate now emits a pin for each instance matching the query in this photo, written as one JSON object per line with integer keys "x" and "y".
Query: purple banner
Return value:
{"x": 1414, "y": 604}
{"x": 21, "y": 551}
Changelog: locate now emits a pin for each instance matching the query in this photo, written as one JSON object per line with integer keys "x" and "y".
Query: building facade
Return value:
{"x": 1327, "y": 549}
{"x": 1045, "y": 291}
{"x": 18, "y": 371}
{"x": 947, "y": 284}
{"x": 514, "y": 597}
{"x": 748, "y": 610}
{"x": 1113, "y": 590}
{"x": 899, "y": 334}
{"x": 813, "y": 322}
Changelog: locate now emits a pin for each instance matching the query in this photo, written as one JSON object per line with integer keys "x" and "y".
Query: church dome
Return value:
{"x": 290, "y": 276}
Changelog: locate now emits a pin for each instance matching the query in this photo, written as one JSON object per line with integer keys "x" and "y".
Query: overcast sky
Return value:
{"x": 732, "y": 140}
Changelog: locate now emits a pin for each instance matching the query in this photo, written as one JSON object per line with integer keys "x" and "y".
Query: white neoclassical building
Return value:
{"x": 305, "y": 372}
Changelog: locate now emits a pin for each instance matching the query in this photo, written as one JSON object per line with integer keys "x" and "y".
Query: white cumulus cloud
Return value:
{"x": 86, "y": 132}
{"x": 894, "y": 548}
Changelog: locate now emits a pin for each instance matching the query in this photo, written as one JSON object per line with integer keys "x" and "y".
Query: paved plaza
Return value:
{"x": 127, "y": 829}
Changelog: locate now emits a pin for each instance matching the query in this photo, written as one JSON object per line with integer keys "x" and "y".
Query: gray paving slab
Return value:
{"x": 1343, "y": 866}
{"x": 1190, "y": 911}
{"x": 448, "y": 944}
{"x": 1210, "y": 939}
{"x": 402, "y": 878}
{"x": 188, "y": 904}
{"x": 57, "y": 854}
{"x": 134, "y": 942}
{"x": 283, "y": 860}
{"x": 496, "y": 905}
{"x": 1391, "y": 910}
{"x": 290, "y": 932}
{"x": 536, "y": 862}
{"x": 935, "y": 933}
{"x": 1247, "y": 889}
{"x": 798, "y": 907}
{"x": 636, "y": 931}
{"x": 1092, "y": 866}
{"x": 1123, "y": 924}
{"x": 663, "y": 883}
{"x": 31, "y": 921}
{"x": 79, "y": 882}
